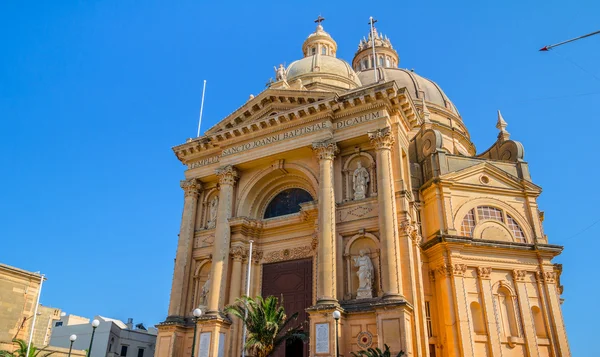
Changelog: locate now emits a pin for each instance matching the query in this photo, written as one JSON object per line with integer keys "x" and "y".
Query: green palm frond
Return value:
{"x": 266, "y": 322}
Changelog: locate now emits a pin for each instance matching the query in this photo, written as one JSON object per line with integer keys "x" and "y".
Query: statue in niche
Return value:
{"x": 204, "y": 292}
{"x": 360, "y": 181}
{"x": 365, "y": 275}
{"x": 212, "y": 217}
{"x": 280, "y": 73}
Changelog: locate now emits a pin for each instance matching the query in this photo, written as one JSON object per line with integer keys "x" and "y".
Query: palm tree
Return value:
{"x": 266, "y": 322}
{"x": 376, "y": 352}
{"x": 21, "y": 351}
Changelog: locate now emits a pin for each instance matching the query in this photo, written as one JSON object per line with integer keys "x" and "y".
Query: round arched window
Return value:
{"x": 287, "y": 202}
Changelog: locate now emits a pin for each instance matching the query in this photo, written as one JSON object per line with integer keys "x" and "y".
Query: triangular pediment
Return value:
{"x": 489, "y": 175}
{"x": 269, "y": 103}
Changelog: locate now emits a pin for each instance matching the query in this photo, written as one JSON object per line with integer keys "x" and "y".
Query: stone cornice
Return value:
{"x": 445, "y": 239}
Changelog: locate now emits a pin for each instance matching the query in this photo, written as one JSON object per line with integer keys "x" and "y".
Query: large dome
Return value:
{"x": 413, "y": 82}
{"x": 324, "y": 69}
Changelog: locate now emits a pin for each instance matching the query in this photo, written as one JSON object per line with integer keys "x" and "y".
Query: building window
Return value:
{"x": 58, "y": 323}
{"x": 314, "y": 50}
{"x": 468, "y": 223}
{"x": 381, "y": 61}
{"x": 485, "y": 212}
{"x": 365, "y": 64}
{"x": 287, "y": 202}
{"x": 140, "y": 352}
{"x": 387, "y": 61}
{"x": 506, "y": 312}
{"x": 112, "y": 341}
{"x": 323, "y": 50}
{"x": 123, "y": 350}
{"x": 428, "y": 319}
{"x": 515, "y": 229}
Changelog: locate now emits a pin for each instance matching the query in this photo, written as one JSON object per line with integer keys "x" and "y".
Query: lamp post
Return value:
{"x": 336, "y": 317}
{"x": 197, "y": 313}
{"x": 95, "y": 324}
{"x": 72, "y": 338}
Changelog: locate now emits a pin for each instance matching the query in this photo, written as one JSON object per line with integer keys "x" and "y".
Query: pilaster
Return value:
{"x": 519, "y": 277}
{"x": 557, "y": 321}
{"x": 485, "y": 284}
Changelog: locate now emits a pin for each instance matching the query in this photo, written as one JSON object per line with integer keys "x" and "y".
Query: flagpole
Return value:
{"x": 546, "y": 48}
{"x": 372, "y": 22}
{"x": 37, "y": 304}
{"x": 201, "y": 108}
{"x": 248, "y": 274}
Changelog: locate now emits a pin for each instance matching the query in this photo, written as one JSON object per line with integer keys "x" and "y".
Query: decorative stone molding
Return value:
{"x": 519, "y": 275}
{"x": 550, "y": 277}
{"x": 484, "y": 272}
{"x": 325, "y": 150}
{"x": 412, "y": 231}
{"x": 191, "y": 187}
{"x": 432, "y": 275}
{"x": 257, "y": 256}
{"x": 444, "y": 270}
{"x": 459, "y": 269}
{"x": 289, "y": 254}
{"x": 227, "y": 175}
{"x": 382, "y": 139}
{"x": 237, "y": 253}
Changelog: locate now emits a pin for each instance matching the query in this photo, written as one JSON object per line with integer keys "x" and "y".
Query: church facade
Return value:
{"x": 362, "y": 193}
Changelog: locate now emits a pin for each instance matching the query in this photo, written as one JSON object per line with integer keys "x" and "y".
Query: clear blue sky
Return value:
{"x": 93, "y": 95}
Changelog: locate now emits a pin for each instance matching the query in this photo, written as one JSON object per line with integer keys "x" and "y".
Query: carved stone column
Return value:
{"x": 326, "y": 255}
{"x": 183, "y": 258}
{"x": 227, "y": 177}
{"x": 485, "y": 285}
{"x": 383, "y": 141}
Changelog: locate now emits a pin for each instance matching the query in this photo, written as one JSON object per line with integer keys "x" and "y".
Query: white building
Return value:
{"x": 112, "y": 338}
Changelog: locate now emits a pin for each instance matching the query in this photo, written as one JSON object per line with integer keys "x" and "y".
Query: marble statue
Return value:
{"x": 204, "y": 292}
{"x": 212, "y": 218}
{"x": 365, "y": 275}
{"x": 360, "y": 180}
{"x": 280, "y": 73}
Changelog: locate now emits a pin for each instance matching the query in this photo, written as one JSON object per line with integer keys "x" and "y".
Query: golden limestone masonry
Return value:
{"x": 363, "y": 193}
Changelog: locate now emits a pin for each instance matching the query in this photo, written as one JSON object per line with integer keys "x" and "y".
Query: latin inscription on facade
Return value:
{"x": 344, "y": 123}
{"x": 340, "y": 124}
{"x": 322, "y": 340}
{"x": 204, "y": 162}
{"x": 274, "y": 138}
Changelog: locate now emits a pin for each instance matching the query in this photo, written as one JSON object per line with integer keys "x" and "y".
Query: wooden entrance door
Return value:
{"x": 293, "y": 281}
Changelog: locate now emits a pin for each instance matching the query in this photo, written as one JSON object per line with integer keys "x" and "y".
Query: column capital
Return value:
{"x": 519, "y": 275}
{"x": 237, "y": 253}
{"x": 191, "y": 187}
{"x": 382, "y": 139}
{"x": 484, "y": 272}
{"x": 227, "y": 175}
{"x": 325, "y": 150}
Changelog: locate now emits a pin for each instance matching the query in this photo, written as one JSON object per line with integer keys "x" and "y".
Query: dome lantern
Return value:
{"x": 319, "y": 42}
{"x": 386, "y": 56}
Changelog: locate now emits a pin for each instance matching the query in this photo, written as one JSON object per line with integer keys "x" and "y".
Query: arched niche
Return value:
{"x": 266, "y": 184}
{"x": 370, "y": 244}
{"x": 204, "y": 209}
{"x": 201, "y": 276}
{"x": 477, "y": 318}
{"x": 538, "y": 322}
{"x": 523, "y": 223}
{"x": 506, "y": 305}
{"x": 350, "y": 165}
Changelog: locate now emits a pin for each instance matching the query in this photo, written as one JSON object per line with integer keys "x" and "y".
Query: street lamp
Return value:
{"x": 197, "y": 313}
{"x": 72, "y": 338}
{"x": 336, "y": 317}
{"x": 95, "y": 324}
